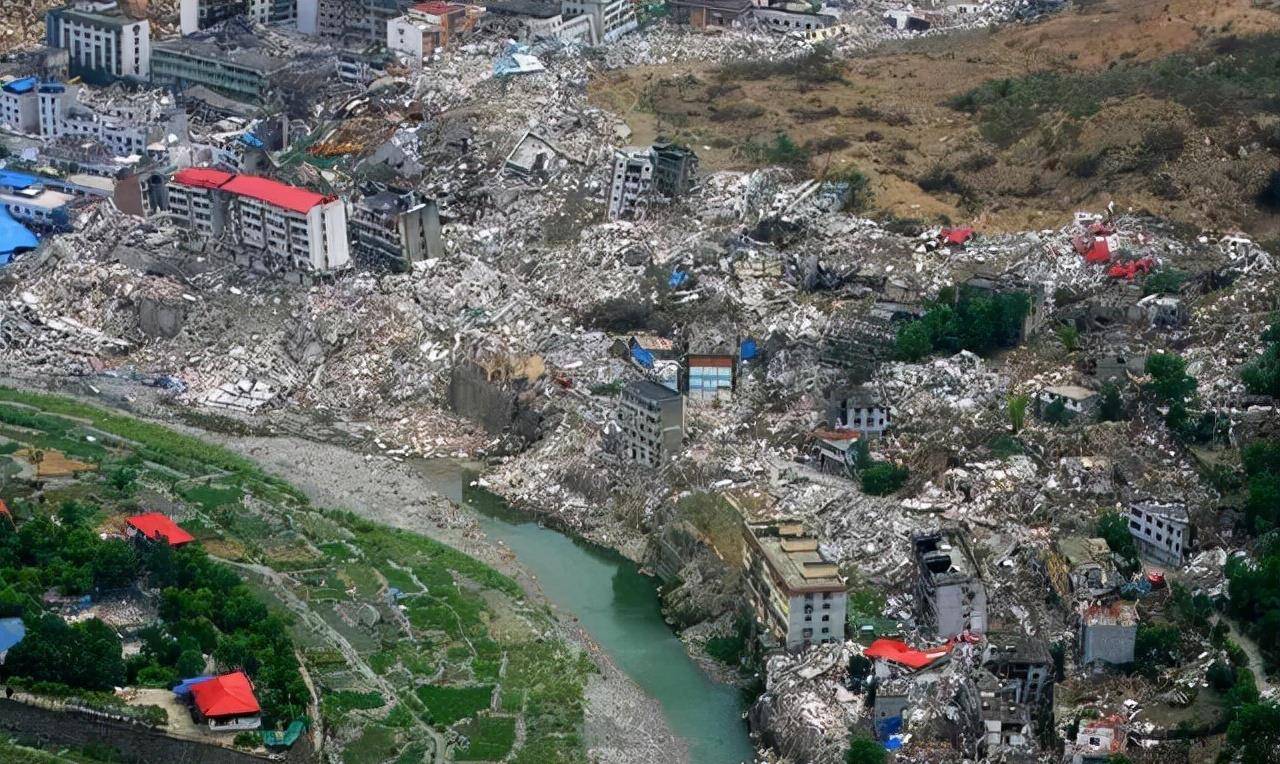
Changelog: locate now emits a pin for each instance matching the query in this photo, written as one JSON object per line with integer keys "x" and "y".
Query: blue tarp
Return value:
{"x": 678, "y": 277}
{"x": 748, "y": 350}
{"x": 249, "y": 139}
{"x": 12, "y": 631}
{"x": 16, "y": 180}
{"x": 888, "y": 727}
{"x": 893, "y": 743}
{"x": 183, "y": 688}
{"x": 24, "y": 85}
{"x": 640, "y": 355}
{"x": 14, "y": 237}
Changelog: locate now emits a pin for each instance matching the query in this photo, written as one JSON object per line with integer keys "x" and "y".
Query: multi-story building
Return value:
{"x": 1162, "y": 530}
{"x": 652, "y": 420}
{"x": 20, "y": 105}
{"x": 28, "y": 199}
{"x": 675, "y": 170}
{"x": 428, "y": 26}
{"x": 632, "y": 180}
{"x": 219, "y": 64}
{"x": 275, "y": 226}
{"x": 395, "y": 227}
{"x": 103, "y": 41}
{"x": 950, "y": 596}
{"x": 610, "y": 19}
{"x": 860, "y": 408}
{"x": 194, "y": 15}
{"x": 796, "y": 592}
{"x": 663, "y": 170}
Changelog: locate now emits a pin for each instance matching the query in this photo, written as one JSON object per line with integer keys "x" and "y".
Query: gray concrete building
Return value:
{"x": 860, "y": 408}
{"x": 950, "y": 596}
{"x": 1023, "y": 665}
{"x": 1161, "y": 530}
{"x": 797, "y": 593}
{"x": 395, "y": 228}
{"x": 1108, "y": 633}
{"x": 652, "y": 420}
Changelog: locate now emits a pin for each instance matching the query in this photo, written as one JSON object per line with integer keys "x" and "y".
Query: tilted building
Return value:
{"x": 950, "y": 596}
{"x": 661, "y": 172}
{"x": 652, "y": 420}
{"x": 276, "y": 227}
{"x": 397, "y": 228}
{"x": 1161, "y": 530}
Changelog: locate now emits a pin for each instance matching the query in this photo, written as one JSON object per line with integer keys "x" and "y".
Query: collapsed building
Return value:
{"x": 661, "y": 172}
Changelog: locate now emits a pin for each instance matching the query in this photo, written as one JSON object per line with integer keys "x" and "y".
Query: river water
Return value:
{"x": 620, "y": 608}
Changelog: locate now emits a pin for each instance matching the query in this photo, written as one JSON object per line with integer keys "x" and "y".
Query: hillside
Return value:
{"x": 1163, "y": 107}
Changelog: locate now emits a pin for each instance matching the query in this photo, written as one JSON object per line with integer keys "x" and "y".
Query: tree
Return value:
{"x": 1220, "y": 676}
{"x": 913, "y": 342}
{"x": 1111, "y": 407}
{"x": 1169, "y": 380}
{"x": 1156, "y": 644}
{"x": 1017, "y": 407}
{"x": 1262, "y": 375}
{"x": 123, "y": 479}
{"x": 1255, "y": 732}
{"x": 864, "y": 750}
{"x": 115, "y": 564}
{"x": 1114, "y": 529}
{"x": 882, "y": 478}
{"x": 1056, "y": 413}
{"x": 1069, "y": 336}
{"x": 85, "y": 655}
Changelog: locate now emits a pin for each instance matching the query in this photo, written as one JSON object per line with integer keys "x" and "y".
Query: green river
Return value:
{"x": 619, "y": 607}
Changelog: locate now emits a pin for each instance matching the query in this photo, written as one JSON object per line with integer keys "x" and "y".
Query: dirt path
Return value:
{"x": 1256, "y": 664}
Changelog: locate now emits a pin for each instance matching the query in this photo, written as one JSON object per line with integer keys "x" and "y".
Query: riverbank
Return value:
{"x": 621, "y": 722}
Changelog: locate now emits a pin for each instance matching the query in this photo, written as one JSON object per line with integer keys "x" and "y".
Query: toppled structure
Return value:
{"x": 663, "y": 171}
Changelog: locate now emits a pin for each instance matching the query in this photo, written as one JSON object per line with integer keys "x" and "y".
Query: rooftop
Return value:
{"x": 155, "y": 526}
{"x": 1072, "y": 392}
{"x": 1118, "y": 613}
{"x": 226, "y": 695}
{"x": 943, "y": 553}
{"x": 533, "y": 8}
{"x": 263, "y": 189}
{"x": 650, "y": 391}
{"x": 797, "y": 561}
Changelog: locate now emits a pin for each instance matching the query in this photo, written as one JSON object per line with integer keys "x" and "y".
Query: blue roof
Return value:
{"x": 183, "y": 689}
{"x": 24, "y": 85}
{"x": 12, "y": 631}
{"x": 14, "y": 238}
{"x": 16, "y": 180}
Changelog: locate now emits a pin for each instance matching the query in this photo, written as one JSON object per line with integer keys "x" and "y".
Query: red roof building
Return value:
{"x": 901, "y": 653}
{"x": 226, "y": 697}
{"x": 154, "y": 526}
{"x": 275, "y": 193}
{"x": 202, "y": 177}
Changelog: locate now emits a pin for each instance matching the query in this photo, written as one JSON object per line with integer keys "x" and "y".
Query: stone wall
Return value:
{"x": 137, "y": 744}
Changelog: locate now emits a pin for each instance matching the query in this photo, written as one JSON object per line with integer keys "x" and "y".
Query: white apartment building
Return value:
{"x": 125, "y": 125}
{"x": 1161, "y": 530}
{"x": 610, "y": 19}
{"x": 20, "y": 105}
{"x": 103, "y": 42}
{"x": 286, "y": 227}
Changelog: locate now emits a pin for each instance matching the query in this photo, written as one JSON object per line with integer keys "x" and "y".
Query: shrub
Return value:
{"x": 882, "y": 478}
{"x": 1269, "y": 195}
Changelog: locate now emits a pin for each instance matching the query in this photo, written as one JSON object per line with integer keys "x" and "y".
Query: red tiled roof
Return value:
{"x": 275, "y": 192}
{"x": 901, "y": 653}
{"x": 155, "y": 525}
{"x": 225, "y": 695}
{"x": 202, "y": 177}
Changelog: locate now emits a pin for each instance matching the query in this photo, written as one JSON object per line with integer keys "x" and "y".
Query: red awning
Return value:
{"x": 903, "y": 654}
{"x": 225, "y": 695}
{"x": 155, "y": 526}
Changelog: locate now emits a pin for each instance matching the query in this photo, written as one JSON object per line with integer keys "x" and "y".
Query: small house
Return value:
{"x": 1108, "y": 633}
{"x": 155, "y": 526}
{"x": 1077, "y": 400}
{"x": 226, "y": 703}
